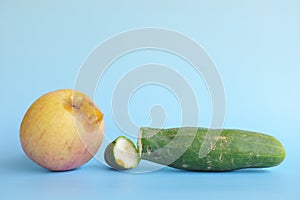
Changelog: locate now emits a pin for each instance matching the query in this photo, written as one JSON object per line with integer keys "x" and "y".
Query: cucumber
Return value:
{"x": 121, "y": 154}
{"x": 201, "y": 149}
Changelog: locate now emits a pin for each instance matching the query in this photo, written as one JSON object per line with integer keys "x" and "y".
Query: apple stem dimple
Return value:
{"x": 86, "y": 108}
{"x": 77, "y": 101}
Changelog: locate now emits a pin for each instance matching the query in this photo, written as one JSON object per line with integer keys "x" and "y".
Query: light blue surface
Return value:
{"x": 255, "y": 46}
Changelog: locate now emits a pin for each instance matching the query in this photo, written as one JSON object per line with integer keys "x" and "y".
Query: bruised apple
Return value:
{"x": 62, "y": 130}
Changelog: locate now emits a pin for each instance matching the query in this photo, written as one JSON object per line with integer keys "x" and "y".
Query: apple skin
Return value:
{"x": 62, "y": 130}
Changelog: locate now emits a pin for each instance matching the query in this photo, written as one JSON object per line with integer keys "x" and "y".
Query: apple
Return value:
{"x": 62, "y": 130}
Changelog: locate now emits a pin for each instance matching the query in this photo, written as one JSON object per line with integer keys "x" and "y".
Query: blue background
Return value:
{"x": 255, "y": 46}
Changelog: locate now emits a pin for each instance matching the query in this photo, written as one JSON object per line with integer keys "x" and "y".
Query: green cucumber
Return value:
{"x": 121, "y": 154}
{"x": 201, "y": 149}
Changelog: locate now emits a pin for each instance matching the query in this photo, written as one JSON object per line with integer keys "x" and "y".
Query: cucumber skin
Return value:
{"x": 234, "y": 149}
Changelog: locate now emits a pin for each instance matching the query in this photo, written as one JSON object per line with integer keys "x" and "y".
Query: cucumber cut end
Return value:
{"x": 125, "y": 153}
{"x": 122, "y": 154}
{"x": 139, "y": 144}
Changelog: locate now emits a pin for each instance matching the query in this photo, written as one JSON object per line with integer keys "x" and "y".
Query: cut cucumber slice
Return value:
{"x": 121, "y": 154}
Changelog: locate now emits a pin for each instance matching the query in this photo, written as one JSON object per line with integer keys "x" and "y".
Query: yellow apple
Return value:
{"x": 62, "y": 130}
